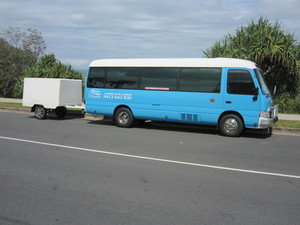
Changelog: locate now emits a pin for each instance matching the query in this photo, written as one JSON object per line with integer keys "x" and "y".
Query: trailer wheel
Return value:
{"x": 124, "y": 117}
{"x": 40, "y": 112}
{"x": 231, "y": 125}
{"x": 61, "y": 112}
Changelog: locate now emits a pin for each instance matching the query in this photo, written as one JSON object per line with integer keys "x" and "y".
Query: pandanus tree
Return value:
{"x": 276, "y": 53}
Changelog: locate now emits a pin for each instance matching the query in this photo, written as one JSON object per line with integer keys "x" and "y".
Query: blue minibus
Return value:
{"x": 228, "y": 93}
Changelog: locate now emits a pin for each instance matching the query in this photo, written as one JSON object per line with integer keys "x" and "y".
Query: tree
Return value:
{"x": 18, "y": 51}
{"x": 276, "y": 53}
{"x": 5, "y": 62}
{"x": 47, "y": 67}
{"x": 30, "y": 41}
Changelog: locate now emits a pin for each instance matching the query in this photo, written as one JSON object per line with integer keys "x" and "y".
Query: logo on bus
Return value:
{"x": 95, "y": 93}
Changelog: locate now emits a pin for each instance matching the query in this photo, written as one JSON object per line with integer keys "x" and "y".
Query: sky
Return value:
{"x": 79, "y": 31}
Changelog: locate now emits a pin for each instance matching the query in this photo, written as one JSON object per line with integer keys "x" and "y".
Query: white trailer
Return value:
{"x": 46, "y": 94}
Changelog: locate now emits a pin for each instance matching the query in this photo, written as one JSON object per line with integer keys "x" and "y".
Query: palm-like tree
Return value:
{"x": 277, "y": 53}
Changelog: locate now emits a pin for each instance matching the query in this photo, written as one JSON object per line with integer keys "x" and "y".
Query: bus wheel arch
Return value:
{"x": 231, "y": 124}
{"x": 123, "y": 116}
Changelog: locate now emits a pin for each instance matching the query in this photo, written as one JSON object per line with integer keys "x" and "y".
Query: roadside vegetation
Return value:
{"x": 287, "y": 124}
{"x": 12, "y": 105}
{"x": 288, "y": 104}
{"x": 22, "y": 54}
{"x": 276, "y": 52}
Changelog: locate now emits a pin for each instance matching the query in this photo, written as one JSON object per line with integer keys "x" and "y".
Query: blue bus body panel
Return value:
{"x": 172, "y": 106}
{"x": 175, "y": 106}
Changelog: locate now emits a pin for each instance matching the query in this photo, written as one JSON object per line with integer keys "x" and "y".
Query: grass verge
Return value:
{"x": 13, "y": 105}
{"x": 287, "y": 124}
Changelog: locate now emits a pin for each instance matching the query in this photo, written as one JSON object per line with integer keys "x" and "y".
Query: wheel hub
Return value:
{"x": 231, "y": 125}
{"x": 39, "y": 112}
{"x": 123, "y": 117}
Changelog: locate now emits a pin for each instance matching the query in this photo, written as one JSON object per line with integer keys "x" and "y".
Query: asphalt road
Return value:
{"x": 77, "y": 171}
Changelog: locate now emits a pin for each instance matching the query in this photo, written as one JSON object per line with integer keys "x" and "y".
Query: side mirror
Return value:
{"x": 275, "y": 90}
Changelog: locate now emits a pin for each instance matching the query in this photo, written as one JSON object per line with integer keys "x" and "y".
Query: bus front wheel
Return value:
{"x": 124, "y": 117}
{"x": 231, "y": 125}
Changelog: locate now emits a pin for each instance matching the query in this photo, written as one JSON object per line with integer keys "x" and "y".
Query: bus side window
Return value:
{"x": 126, "y": 78}
{"x": 240, "y": 82}
{"x": 96, "y": 77}
{"x": 200, "y": 80}
{"x": 159, "y": 79}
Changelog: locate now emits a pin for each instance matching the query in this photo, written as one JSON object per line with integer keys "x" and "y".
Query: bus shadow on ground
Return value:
{"x": 179, "y": 127}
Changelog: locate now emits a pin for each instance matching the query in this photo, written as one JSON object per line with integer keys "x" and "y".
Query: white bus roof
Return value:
{"x": 175, "y": 62}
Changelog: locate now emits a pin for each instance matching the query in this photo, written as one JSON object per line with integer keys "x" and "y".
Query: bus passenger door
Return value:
{"x": 241, "y": 95}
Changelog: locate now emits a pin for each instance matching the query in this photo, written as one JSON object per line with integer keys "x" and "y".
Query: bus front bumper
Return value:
{"x": 268, "y": 118}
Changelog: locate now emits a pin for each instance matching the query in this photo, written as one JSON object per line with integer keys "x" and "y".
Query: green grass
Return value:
{"x": 13, "y": 105}
{"x": 287, "y": 124}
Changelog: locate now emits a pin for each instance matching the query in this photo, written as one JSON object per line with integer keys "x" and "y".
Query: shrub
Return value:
{"x": 287, "y": 104}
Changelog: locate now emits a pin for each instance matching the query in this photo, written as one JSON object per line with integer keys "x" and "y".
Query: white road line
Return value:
{"x": 153, "y": 159}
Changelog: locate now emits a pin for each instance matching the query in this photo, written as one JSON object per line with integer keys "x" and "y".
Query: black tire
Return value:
{"x": 40, "y": 112}
{"x": 124, "y": 117}
{"x": 61, "y": 111}
{"x": 231, "y": 125}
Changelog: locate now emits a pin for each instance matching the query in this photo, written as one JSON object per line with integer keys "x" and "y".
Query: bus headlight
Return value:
{"x": 264, "y": 114}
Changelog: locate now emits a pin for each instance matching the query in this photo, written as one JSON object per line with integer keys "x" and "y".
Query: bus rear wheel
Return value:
{"x": 124, "y": 117}
{"x": 231, "y": 125}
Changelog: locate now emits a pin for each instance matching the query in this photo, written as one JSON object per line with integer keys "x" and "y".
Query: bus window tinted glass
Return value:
{"x": 96, "y": 77}
{"x": 240, "y": 82}
{"x": 200, "y": 79}
{"x": 126, "y": 78}
{"x": 159, "y": 79}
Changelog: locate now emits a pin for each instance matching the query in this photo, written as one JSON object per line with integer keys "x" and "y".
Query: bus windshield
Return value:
{"x": 262, "y": 82}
